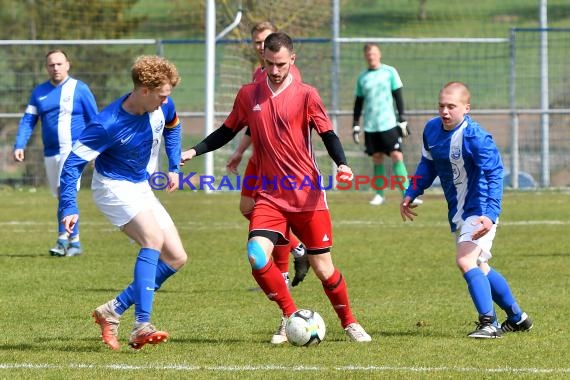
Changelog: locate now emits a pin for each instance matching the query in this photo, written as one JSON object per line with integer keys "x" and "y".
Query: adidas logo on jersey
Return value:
{"x": 257, "y": 107}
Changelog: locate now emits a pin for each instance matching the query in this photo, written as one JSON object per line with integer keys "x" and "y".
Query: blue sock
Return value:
{"x": 127, "y": 297}
{"x": 163, "y": 272}
{"x": 480, "y": 291}
{"x": 144, "y": 283}
{"x": 503, "y": 296}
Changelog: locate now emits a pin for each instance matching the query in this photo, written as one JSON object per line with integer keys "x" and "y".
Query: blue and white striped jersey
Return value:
{"x": 64, "y": 111}
{"x": 124, "y": 147}
{"x": 469, "y": 166}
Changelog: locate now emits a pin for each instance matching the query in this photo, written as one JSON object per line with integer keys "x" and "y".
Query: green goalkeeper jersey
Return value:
{"x": 376, "y": 86}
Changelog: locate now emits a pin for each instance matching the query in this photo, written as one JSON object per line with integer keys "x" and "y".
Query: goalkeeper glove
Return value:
{"x": 356, "y": 134}
{"x": 404, "y": 130}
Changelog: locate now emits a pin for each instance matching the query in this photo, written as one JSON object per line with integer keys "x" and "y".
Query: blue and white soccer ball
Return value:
{"x": 305, "y": 328}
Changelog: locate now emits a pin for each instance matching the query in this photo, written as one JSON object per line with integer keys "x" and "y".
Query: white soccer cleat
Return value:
{"x": 280, "y": 337}
{"x": 377, "y": 200}
{"x": 356, "y": 333}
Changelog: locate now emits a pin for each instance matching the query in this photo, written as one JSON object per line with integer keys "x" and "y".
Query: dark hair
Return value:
{"x": 275, "y": 41}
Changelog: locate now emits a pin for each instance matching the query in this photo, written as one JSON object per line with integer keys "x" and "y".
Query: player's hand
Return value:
{"x": 233, "y": 162}
{"x": 19, "y": 155}
{"x": 404, "y": 130}
{"x": 356, "y": 134}
{"x": 187, "y": 155}
{"x": 344, "y": 173}
{"x": 173, "y": 181}
{"x": 406, "y": 209}
{"x": 69, "y": 222}
{"x": 486, "y": 225}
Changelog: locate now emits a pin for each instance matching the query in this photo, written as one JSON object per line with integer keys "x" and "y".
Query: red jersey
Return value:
{"x": 280, "y": 125}
{"x": 259, "y": 74}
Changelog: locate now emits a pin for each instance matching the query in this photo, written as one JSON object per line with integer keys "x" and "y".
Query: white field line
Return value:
{"x": 254, "y": 368}
{"x": 221, "y": 224}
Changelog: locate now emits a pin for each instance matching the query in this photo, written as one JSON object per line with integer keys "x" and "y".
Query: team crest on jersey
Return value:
{"x": 456, "y": 172}
{"x": 66, "y": 99}
{"x": 455, "y": 153}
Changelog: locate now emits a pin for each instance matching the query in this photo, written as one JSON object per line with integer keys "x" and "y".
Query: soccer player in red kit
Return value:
{"x": 281, "y": 252}
{"x": 281, "y": 114}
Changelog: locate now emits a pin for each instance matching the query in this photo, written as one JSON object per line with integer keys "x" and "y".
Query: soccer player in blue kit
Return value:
{"x": 469, "y": 165}
{"x": 123, "y": 140}
{"x": 64, "y": 105}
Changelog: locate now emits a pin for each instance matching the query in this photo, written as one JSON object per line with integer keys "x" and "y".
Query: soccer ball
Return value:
{"x": 305, "y": 328}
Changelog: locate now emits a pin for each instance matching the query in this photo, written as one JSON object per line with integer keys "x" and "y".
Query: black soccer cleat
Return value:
{"x": 302, "y": 266}
{"x": 524, "y": 324}
{"x": 486, "y": 328}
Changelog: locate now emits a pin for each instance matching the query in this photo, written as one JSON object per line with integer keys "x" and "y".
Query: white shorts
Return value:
{"x": 121, "y": 201}
{"x": 466, "y": 229}
{"x": 53, "y": 165}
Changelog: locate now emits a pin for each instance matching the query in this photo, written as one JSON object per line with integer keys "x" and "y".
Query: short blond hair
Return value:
{"x": 264, "y": 25}
{"x": 153, "y": 71}
{"x": 463, "y": 89}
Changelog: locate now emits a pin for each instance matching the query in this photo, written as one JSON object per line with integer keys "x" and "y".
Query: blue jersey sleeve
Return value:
{"x": 88, "y": 102}
{"x": 92, "y": 142}
{"x": 70, "y": 173}
{"x": 172, "y": 137}
{"x": 27, "y": 124}
{"x": 425, "y": 174}
{"x": 488, "y": 159}
{"x": 172, "y": 145}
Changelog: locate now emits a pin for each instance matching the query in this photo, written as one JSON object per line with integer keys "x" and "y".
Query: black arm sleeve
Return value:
{"x": 358, "y": 102}
{"x": 397, "y": 95}
{"x": 214, "y": 140}
{"x": 334, "y": 147}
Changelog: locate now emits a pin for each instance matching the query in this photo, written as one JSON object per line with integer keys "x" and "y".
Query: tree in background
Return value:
{"x": 298, "y": 18}
{"x": 422, "y": 10}
{"x": 66, "y": 20}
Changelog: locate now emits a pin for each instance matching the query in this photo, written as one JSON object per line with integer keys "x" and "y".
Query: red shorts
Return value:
{"x": 249, "y": 179}
{"x": 313, "y": 228}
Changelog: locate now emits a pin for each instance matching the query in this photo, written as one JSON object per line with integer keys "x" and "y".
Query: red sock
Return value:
{"x": 335, "y": 289}
{"x": 270, "y": 280}
{"x": 293, "y": 241}
{"x": 280, "y": 256}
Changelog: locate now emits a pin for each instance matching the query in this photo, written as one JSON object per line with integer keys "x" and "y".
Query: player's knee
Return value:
{"x": 256, "y": 255}
{"x": 155, "y": 241}
{"x": 179, "y": 260}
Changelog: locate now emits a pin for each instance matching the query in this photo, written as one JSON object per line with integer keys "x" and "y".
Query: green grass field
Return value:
{"x": 402, "y": 280}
